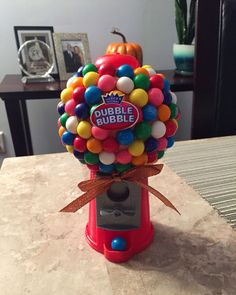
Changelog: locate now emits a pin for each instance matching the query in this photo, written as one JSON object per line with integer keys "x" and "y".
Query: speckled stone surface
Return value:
{"x": 44, "y": 252}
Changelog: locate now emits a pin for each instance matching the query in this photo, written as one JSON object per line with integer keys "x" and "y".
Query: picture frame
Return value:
{"x": 72, "y": 51}
{"x": 42, "y": 33}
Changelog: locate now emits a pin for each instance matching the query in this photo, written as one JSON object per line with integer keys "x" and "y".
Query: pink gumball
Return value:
{"x": 70, "y": 107}
{"x": 162, "y": 144}
{"x": 100, "y": 133}
{"x": 155, "y": 96}
{"x": 106, "y": 83}
{"x": 58, "y": 123}
{"x": 80, "y": 144}
{"x": 110, "y": 145}
{"x": 123, "y": 157}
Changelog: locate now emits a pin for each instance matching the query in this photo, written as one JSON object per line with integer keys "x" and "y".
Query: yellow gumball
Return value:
{"x": 69, "y": 148}
{"x": 66, "y": 94}
{"x": 91, "y": 78}
{"x": 138, "y": 97}
{"x": 84, "y": 129}
{"x": 150, "y": 70}
{"x": 146, "y": 66}
{"x": 140, "y": 160}
{"x": 136, "y": 148}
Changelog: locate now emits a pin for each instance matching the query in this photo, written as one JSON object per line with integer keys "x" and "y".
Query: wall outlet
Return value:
{"x": 2, "y": 143}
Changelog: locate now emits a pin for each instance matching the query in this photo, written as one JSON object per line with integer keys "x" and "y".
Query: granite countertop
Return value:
{"x": 43, "y": 251}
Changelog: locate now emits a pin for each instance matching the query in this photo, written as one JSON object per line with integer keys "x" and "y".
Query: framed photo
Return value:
{"x": 45, "y": 34}
{"x": 72, "y": 51}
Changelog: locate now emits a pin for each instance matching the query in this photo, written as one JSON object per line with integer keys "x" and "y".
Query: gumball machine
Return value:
{"x": 118, "y": 119}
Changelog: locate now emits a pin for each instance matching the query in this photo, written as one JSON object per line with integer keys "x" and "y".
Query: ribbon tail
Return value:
{"x": 158, "y": 195}
{"x": 84, "y": 199}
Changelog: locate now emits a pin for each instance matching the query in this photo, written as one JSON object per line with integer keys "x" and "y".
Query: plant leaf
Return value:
{"x": 191, "y": 22}
{"x": 181, "y": 20}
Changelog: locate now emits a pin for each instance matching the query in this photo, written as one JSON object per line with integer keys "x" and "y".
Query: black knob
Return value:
{"x": 118, "y": 192}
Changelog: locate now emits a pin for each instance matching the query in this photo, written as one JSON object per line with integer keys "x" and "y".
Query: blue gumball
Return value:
{"x": 170, "y": 141}
{"x": 61, "y": 108}
{"x": 125, "y": 70}
{"x": 167, "y": 98}
{"x": 107, "y": 169}
{"x": 79, "y": 156}
{"x": 68, "y": 138}
{"x": 80, "y": 72}
{"x": 149, "y": 112}
{"x": 150, "y": 144}
{"x": 166, "y": 85}
{"x": 92, "y": 95}
{"x": 125, "y": 137}
{"x": 118, "y": 244}
{"x": 82, "y": 110}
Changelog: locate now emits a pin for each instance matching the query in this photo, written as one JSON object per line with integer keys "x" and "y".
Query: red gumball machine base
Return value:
{"x": 136, "y": 240}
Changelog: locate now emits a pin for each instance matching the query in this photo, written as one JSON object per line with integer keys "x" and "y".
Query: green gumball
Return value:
{"x": 63, "y": 119}
{"x": 141, "y": 81}
{"x": 91, "y": 158}
{"x": 122, "y": 167}
{"x": 89, "y": 68}
{"x": 143, "y": 131}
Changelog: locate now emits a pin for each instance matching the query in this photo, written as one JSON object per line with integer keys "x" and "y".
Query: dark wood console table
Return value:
{"x": 14, "y": 94}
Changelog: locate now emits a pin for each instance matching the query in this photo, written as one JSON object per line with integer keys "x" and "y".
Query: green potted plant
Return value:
{"x": 183, "y": 52}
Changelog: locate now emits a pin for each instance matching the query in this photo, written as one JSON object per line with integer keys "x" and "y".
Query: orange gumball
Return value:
{"x": 76, "y": 82}
{"x": 61, "y": 131}
{"x": 140, "y": 160}
{"x": 94, "y": 145}
{"x": 161, "y": 75}
{"x": 163, "y": 112}
{"x": 140, "y": 70}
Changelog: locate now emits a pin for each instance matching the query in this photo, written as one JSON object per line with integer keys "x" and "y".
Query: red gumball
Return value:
{"x": 110, "y": 145}
{"x": 152, "y": 157}
{"x": 78, "y": 94}
{"x": 80, "y": 144}
{"x": 107, "y": 69}
{"x": 93, "y": 168}
{"x": 171, "y": 127}
{"x": 156, "y": 81}
{"x": 116, "y": 60}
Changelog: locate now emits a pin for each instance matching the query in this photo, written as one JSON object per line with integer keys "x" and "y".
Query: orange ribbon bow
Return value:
{"x": 95, "y": 187}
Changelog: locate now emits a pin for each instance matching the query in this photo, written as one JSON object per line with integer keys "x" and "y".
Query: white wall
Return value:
{"x": 147, "y": 22}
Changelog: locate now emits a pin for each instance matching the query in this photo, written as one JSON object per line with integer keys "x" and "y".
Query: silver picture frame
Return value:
{"x": 72, "y": 51}
{"x": 41, "y": 33}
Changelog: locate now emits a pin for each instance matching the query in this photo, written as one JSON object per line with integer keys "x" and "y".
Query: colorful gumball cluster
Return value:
{"x": 111, "y": 151}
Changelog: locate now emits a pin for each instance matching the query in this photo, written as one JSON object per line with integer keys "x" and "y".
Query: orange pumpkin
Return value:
{"x": 125, "y": 48}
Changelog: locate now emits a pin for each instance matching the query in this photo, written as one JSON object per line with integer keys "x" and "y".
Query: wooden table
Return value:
{"x": 14, "y": 94}
{"x": 43, "y": 251}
